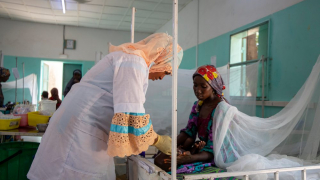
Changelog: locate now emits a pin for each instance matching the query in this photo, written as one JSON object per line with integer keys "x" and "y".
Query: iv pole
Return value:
{"x": 174, "y": 91}
{"x": 23, "y": 83}
{"x": 16, "y": 81}
{"x": 132, "y": 24}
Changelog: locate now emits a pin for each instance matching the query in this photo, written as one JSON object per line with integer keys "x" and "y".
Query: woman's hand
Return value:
{"x": 200, "y": 145}
{"x": 197, "y": 147}
{"x": 184, "y": 158}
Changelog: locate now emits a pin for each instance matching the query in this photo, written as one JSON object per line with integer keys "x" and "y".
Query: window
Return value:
{"x": 246, "y": 47}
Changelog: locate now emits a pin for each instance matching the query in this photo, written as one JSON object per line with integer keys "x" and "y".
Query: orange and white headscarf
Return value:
{"x": 155, "y": 48}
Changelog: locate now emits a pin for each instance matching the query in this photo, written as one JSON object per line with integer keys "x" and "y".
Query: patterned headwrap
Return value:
{"x": 212, "y": 76}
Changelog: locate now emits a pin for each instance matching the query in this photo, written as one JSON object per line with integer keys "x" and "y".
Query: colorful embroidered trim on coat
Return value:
{"x": 130, "y": 134}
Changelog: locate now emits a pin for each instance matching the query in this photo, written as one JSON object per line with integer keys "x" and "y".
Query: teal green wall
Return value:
{"x": 32, "y": 66}
{"x": 189, "y": 59}
{"x": 294, "y": 49}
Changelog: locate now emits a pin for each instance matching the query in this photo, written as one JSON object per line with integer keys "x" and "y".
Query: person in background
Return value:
{"x": 4, "y": 76}
{"x": 77, "y": 75}
{"x": 55, "y": 96}
{"x": 44, "y": 95}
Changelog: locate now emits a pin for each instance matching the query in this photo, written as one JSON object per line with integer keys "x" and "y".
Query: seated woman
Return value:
{"x": 207, "y": 86}
{"x": 55, "y": 97}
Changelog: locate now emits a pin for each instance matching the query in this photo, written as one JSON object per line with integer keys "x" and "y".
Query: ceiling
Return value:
{"x": 106, "y": 14}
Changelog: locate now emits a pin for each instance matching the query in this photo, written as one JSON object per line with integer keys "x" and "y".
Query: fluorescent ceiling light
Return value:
{"x": 63, "y": 7}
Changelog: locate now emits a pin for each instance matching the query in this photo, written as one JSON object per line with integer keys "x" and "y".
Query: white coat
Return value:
{"x": 75, "y": 144}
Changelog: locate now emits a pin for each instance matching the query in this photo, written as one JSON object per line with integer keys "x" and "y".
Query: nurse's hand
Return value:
{"x": 164, "y": 144}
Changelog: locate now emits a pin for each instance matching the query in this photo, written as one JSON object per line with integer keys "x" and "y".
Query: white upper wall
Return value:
{"x": 187, "y": 25}
{"x": 217, "y": 17}
{"x": 30, "y": 39}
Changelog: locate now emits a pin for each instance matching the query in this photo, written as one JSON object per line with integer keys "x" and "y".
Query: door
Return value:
{"x": 45, "y": 78}
{"x": 68, "y": 73}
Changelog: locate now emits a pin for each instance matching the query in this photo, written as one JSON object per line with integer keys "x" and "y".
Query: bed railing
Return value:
{"x": 245, "y": 174}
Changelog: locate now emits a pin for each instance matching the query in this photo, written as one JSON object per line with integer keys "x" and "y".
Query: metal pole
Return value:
{"x": 1, "y": 65}
{"x": 33, "y": 89}
{"x": 197, "y": 47}
{"x": 304, "y": 174}
{"x": 23, "y": 82}
{"x": 276, "y": 175}
{"x": 262, "y": 83}
{"x": 132, "y": 24}
{"x": 16, "y": 81}
{"x": 245, "y": 177}
{"x": 174, "y": 91}
{"x": 64, "y": 30}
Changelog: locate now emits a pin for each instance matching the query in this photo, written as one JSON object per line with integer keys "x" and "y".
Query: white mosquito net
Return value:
{"x": 294, "y": 131}
{"x": 241, "y": 140}
{"x": 30, "y": 82}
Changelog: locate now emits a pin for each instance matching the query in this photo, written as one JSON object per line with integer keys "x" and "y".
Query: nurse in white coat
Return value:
{"x": 103, "y": 116}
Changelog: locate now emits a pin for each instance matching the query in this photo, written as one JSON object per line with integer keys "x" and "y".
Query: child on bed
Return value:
{"x": 194, "y": 156}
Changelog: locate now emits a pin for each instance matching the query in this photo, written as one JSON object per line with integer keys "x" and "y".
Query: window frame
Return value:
{"x": 266, "y": 59}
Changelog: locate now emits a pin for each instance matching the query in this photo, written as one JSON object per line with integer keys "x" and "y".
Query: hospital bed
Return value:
{"x": 139, "y": 168}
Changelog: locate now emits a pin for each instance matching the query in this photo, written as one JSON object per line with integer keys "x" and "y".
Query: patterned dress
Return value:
{"x": 201, "y": 127}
